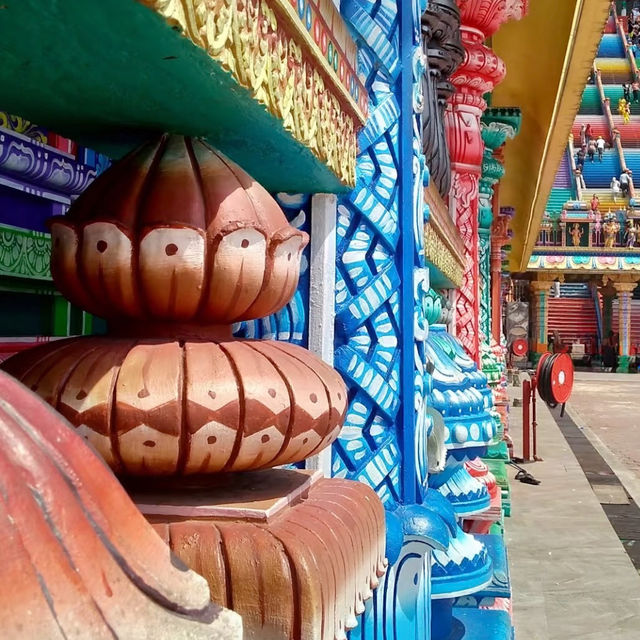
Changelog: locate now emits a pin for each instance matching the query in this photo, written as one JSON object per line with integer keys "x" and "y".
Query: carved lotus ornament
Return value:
{"x": 176, "y": 232}
{"x": 189, "y": 407}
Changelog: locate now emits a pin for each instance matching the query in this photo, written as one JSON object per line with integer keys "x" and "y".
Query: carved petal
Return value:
{"x": 107, "y": 261}
{"x": 237, "y": 276}
{"x": 172, "y": 271}
{"x": 64, "y": 266}
{"x": 282, "y": 276}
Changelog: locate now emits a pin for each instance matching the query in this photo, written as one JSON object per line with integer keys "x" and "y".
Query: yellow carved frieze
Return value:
{"x": 443, "y": 246}
{"x": 302, "y": 69}
{"x": 440, "y": 255}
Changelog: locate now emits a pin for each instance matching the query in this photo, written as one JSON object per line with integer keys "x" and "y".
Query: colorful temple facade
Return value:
{"x": 584, "y": 268}
{"x": 259, "y": 274}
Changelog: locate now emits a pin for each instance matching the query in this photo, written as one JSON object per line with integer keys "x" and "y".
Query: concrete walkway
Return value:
{"x": 571, "y": 578}
{"x": 609, "y": 404}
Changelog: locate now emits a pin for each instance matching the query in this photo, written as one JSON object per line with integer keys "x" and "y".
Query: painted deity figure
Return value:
{"x": 597, "y": 228}
{"x": 631, "y": 234}
{"x": 610, "y": 227}
{"x": 576, "y": 234}
{"x": 624, "y": 109}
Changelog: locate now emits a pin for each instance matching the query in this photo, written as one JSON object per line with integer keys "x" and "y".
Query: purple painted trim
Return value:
{"x": 38, "y": 165}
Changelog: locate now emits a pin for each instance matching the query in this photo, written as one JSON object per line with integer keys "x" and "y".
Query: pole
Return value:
{"x": 534, "y": 421}
{"x": 526, "y": 436}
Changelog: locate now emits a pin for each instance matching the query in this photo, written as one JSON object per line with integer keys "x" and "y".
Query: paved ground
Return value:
{"x": 609, "y": 404}
{"x": 571, "y": 577}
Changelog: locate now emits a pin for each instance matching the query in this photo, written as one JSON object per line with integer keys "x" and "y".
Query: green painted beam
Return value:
{"x": 110, "y": 73}
{"x": 438, "y": 280}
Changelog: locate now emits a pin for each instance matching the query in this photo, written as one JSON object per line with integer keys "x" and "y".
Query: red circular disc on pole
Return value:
{"x": 519, "y": 347}
{"x": 562, "y": 378}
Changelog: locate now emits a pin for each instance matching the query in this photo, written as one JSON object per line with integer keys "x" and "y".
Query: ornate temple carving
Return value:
{"x": 78, "y": 559}
{"x": 172, "y": 245}
{"x": 500, "y": 236}
{"x": 443, "y": 50}
{"x": 297, "y": 59}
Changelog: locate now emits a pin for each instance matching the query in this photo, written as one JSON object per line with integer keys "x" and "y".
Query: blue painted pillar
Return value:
{"x": 407, "y": 247}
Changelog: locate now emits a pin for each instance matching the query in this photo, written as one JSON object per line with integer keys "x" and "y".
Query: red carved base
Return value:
{"x": 294, "y": 554}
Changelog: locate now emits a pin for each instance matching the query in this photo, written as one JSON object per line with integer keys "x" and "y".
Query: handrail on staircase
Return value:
{"x": 627, "y": 49}
{"x": 572, "y": 166}
{"x": 615, "y": 134}
{"x": 634, "y": 72}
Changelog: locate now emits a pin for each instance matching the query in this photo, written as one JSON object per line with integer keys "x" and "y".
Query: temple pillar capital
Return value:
{"x": 486, "y": 16}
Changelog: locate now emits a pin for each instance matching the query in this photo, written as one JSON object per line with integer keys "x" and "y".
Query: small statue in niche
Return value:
{"x": 597, "y": 227}
{"x": 610, "y": 227}
{"x": 576, "y": 234}
{"x": 631, "y": 234}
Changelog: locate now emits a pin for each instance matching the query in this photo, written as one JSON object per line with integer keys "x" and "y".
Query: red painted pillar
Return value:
{"x": 526, "y": 425}
{"x": 478, "y": 74}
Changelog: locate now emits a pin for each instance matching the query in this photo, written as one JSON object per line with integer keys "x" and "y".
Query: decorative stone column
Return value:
{"x": 608, "y": 293}
{"x": 494, "y": 135}
{"x": 539, "y": 316}
{"x": 624, "y": 290}
{"x": 442, "y": 48}
{"x": 478, "y": 74}
{"x": 500, "y": 236}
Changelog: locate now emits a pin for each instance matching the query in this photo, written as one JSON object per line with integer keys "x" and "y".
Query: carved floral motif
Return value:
{"x": 465, "y": 191}
{"x": 23, "y": 126}
{"x": 33, "y": 162}
{"x": 268, "y": 49}
{"x": 487, "y": 15}
{"x": 24, "y": 253}
{"x": 437, "y": 252}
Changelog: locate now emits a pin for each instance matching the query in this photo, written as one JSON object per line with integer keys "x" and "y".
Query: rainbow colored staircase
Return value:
{"x": 573, "y": 315}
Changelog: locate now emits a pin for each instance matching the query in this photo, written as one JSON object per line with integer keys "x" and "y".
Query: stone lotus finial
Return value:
{"x": 172, "y": 245}
{"x": 176, "y": 232}
{"x": 164, "y": 408}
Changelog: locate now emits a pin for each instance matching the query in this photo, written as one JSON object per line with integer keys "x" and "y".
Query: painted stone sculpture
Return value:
{"x": 611, "y": 227}
{"x": 77, "y": 558}
{"x": 174, "y": 244}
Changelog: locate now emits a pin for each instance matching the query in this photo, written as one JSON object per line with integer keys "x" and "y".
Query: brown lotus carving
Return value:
{"x": 176, "y": 232}
{"x": 173, "y": 407}
{"x": 77, "y": 559}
